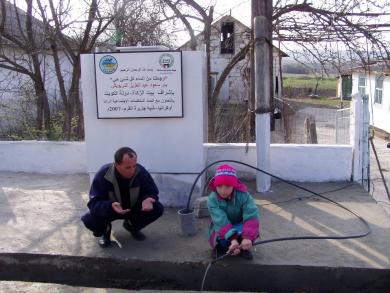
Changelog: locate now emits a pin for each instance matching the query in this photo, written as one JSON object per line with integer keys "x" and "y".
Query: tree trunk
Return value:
{"x": 43, "y": 110}
{"x": 39, "y": 103}
{"x": 78, "y": 103}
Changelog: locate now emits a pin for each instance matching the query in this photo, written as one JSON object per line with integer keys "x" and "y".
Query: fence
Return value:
{"x": 331, "y": 124}
{"x": 342, "y": 126}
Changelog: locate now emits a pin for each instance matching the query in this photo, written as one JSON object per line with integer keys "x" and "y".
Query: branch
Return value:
{"x": 236, "y": 58}
{"x": 185, "y": 22}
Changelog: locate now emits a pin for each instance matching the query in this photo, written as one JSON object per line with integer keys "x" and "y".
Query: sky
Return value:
{"x": 240, "y": 9}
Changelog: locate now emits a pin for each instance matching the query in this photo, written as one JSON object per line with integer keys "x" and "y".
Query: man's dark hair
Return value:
{"x": 123, "y": 151}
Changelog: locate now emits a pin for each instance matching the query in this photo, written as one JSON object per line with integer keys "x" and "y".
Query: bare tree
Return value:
{"x": 22, "y": 52}
{"x": 139, "y": 21}
{"x": 32, "y": 36}
{"x": 333, "y": 31}
{"x": 312, "y": 27}
{"x": 57, "y": 20}
{"x": 187, "y": 10}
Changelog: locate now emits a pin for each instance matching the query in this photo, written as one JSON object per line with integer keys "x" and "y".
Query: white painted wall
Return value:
{"x": 379, "y": 113}
{"x": 171, "y": 149}
{"x": 295, "y": 162}
{"x": 316, "y": 163}
{"x": 163, "y": 145}
{"x": 43, "y": 157}
{"x": 360, "y": 120}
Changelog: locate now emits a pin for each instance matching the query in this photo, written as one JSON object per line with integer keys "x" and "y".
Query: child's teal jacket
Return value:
{"x": 226, "y": 213}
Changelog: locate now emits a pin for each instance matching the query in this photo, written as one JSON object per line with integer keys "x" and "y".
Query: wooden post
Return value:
{"x": 310, "y": 130}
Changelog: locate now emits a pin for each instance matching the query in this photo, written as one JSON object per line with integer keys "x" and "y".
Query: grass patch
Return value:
{"x": 306, "y": 82}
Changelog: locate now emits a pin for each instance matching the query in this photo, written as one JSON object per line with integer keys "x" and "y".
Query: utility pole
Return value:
{"x": 263, "y": 86}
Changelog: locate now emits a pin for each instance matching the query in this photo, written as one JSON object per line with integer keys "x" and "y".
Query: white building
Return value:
{"x": 228, "y": 37}
{"x": 375, "y": 82}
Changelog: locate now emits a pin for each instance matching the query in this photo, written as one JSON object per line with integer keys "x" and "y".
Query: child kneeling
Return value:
{"x": 234, "y": 216}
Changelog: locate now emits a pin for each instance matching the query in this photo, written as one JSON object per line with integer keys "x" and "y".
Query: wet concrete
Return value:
{"x": 43, "y": 240}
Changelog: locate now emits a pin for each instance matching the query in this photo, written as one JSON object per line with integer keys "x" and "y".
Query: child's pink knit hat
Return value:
{"x": 226, "y": 175}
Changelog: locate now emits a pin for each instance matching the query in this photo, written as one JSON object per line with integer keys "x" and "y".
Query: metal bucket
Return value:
{"x": 187, "y": 222}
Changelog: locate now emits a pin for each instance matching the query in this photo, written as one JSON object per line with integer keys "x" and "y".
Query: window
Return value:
{"x": 227, "y": 38}
{"x": 214, "y": 76}
{"x": 362, "y": 85}
{"x": 276, "y": 86}
{"x": 378, "y": 90}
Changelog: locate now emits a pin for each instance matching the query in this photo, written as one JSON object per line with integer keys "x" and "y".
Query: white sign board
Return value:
{"x": 139, "y": 84}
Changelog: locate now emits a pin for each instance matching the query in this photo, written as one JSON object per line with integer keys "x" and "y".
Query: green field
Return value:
{"x": 307, "y": 82}
{"x": 300, "y": 88}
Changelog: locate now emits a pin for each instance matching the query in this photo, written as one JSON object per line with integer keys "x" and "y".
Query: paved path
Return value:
{"x": 377, "y": 188}
{"x": 41, "y": 233}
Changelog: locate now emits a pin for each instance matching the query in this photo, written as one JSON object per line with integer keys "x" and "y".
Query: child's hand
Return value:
{"x": 234, "y": 247}
{"x": 246, "y": 244}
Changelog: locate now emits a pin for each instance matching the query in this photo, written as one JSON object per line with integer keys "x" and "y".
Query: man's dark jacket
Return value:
{"x": 105, "y": 190}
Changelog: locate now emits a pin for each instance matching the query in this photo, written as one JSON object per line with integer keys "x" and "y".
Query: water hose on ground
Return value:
{"x": 368, "y": 229}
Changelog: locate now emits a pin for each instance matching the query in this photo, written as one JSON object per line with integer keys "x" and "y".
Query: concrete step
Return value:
{"x": 231, "y": 274}
{"x": 35, "y": 287}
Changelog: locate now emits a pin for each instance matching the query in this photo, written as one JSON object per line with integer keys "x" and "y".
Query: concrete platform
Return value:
{"x": 43, "y": 240}
{"x": 377, "y": 187}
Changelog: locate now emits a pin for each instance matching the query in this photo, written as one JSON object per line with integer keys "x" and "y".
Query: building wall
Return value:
{"x": 379, "y": 113}
{"x": 16, "y": 89}
{"x": 11, "y": 81}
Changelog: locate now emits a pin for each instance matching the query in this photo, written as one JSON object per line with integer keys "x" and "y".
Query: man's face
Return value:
{"x": 127, "y": 167}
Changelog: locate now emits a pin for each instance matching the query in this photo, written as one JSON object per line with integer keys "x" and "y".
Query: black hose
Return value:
{"x": 295, "y": 185}
{"x": 282, "y": 238}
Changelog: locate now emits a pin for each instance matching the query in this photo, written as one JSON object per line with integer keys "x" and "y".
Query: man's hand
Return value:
{"x": 246, "y": 244}
{"x": 234, "y": 247}
{"x": 116, "y": 206}
{"x": 147, "y": 204}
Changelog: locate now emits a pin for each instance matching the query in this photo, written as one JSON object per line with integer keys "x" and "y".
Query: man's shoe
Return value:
{"x": 246, "y": 254}
{"x": 105, "y": 240}
{"x": 137, "y": 234}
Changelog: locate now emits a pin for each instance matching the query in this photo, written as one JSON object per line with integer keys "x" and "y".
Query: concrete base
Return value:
{"x": 44, "y": 240}
{"x": 175, "y": 188}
